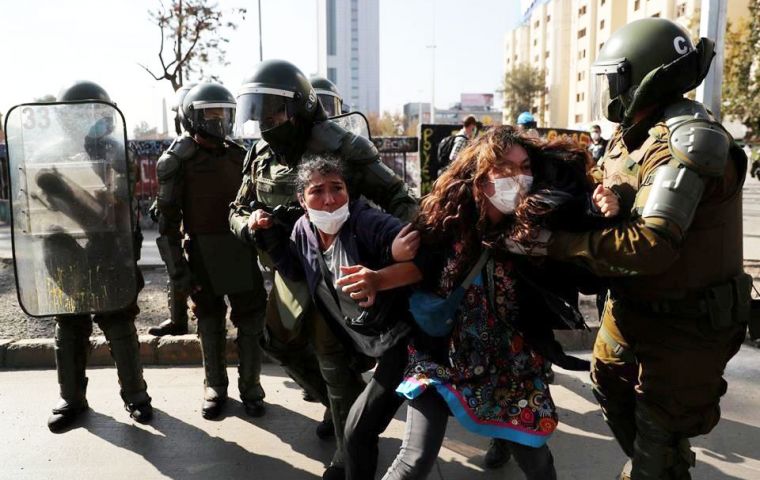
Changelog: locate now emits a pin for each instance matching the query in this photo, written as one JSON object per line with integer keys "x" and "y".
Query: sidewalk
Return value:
{"x": 179, "y": 444}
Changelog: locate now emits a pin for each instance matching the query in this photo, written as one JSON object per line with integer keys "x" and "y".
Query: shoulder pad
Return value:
{"x": 260, "y": 146}
{"x": 326, "y": 136}
{"x": 183, "y": 147}
{"x": 167, "y": 166}
{"x": 256, "y": 150}
{"x": 699, "y": 143}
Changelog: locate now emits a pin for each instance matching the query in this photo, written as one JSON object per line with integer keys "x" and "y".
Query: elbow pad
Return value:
{"x": 674, "y": 195}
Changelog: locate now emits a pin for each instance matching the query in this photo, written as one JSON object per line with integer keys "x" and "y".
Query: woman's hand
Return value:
{"x": 259, "y": 219}
{"x": 406, "y": 244}
{"x": 606, "y": 201}
{"x": 360, "y": 283}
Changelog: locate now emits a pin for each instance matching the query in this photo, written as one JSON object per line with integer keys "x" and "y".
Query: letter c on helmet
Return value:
{"x": 680, "y": 45}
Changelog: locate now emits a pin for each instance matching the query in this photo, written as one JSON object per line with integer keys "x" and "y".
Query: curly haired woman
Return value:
{"x": 488, "y": 372}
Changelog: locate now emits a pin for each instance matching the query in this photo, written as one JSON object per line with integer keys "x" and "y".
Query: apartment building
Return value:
{"x": 574, "y": 41}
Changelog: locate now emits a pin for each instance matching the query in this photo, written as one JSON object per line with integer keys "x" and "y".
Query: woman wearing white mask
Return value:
{"x": 345, "y": 251}
{"x": 487, "y": 372}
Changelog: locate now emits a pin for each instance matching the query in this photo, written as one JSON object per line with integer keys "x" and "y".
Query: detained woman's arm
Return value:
{"x": 362, "y": 283}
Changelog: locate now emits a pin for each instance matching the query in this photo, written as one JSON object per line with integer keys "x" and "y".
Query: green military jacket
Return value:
{"x": 652, "y": 258}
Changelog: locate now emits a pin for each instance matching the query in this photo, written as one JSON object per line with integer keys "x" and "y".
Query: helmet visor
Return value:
{"x": 214, "y": 119}
{"x": 330, "y": 102}
{"x": 260, "y": 111}
{"x": 611, "y": 79}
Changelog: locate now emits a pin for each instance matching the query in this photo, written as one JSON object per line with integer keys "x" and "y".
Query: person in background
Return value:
{"x": 598, "y": 144}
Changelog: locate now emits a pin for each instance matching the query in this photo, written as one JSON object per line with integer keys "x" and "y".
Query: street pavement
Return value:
{"x": 179, "y": 444}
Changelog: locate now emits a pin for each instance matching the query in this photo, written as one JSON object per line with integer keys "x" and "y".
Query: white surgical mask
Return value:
{"x": 508, "y": 191}
{"x": 595, "y": 136}
{"x": 328, "y": 222}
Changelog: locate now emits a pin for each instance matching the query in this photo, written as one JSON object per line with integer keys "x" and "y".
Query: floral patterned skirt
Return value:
{"x": 493, "y": 383}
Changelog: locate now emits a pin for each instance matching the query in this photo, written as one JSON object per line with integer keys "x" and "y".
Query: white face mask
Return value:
{"x": 508, "y": 191}
{"x": 329, "y": 222}
{"x": 595, "y": 136}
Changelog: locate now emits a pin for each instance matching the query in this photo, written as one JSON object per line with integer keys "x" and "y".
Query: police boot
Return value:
{"x": 213, "y": 344}
{"x": 121, "y": 335}
{"x": 176, "y": 324}
{"x": 498, "y": 453}
{"x": 343, "y": 387}
{"x": 325, "y": 428}
{"x": 659, "y": 454}
{"x": 72, "y": 344}
{"x": 249, "y": 369}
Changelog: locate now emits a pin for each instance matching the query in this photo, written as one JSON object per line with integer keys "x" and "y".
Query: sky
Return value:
{"x": 50, "y": 43}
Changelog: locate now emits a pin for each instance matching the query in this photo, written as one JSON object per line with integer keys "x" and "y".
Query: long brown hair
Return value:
{"x": 453, "y": 211}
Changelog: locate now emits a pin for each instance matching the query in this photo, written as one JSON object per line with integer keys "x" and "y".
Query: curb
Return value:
{"x": 167, "y": 351}
{"x": 186, "y": 350}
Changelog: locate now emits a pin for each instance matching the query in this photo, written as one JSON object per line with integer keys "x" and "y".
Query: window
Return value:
{"x": 548, "y": 18}
{"x": 601, "y": 25}
{"x": 535, "y": 42}
{"x": 581, "y": 33}
{"x": 603, "y": 2}
{"x": 600, "y": 46}
{"x": 534, "y": 110}
{"x": 582, "y": 11}
{"x": 636, "y": 5}
{"x": 680, "y": 10}
{"x": 656, "y": 15}
{"x": 535, "y": 25}
{"x": 546, "y": 55}
{"x": 332, "y": 74}
{"x": 582, "y": 54}
{"x": 581, "y": 75}
{"x": 535, "y": 59}
{"x": 578, "y": 118}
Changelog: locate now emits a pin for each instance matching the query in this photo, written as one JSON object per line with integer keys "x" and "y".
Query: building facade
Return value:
{"x": 567, "y": 48}
{"x": 348, "y": 43}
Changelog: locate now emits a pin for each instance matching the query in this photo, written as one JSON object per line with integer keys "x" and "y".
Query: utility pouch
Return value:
{"x": 720, "y": 303}
{"x": 754, "y": 319}
{"x": 742, "y": 297}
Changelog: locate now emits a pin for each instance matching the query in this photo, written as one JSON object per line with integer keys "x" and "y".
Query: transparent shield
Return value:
{"x": 354, "y": 122}
{"x": 70, "y": 203}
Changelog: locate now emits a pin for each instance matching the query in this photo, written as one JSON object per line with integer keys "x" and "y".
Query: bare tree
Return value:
{"x": 196, "y": 30}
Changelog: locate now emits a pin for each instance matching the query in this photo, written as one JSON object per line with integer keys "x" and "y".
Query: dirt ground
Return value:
{"x": 15, "y": 324}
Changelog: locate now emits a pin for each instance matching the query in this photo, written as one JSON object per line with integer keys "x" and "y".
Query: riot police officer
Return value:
{"x": 328, "y": 95}
{"x": 679, "y": 299}
{"x": 176, "y": 324}
{"x": 199, "y": 176}
{"x": 72, "y": 332}
{"x": 278, "y": 103}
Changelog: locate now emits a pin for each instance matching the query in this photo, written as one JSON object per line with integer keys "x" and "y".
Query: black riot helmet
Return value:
{"x": 644, "y": 63}
{"x": 83, "y": 90}
{"x": 277, "y": 103}
{"x": 209, "y": 109}
{"x": 328, "y": 95}
{"x": 179, "y": 97}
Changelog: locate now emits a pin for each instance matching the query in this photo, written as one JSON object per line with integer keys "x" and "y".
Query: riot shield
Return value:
{"x": 354, "y": 122}
{"x": 70, "y": 208}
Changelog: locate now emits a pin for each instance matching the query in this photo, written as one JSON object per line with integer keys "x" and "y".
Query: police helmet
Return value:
{"x": 328, "y": 95}
{"x": 209, "y": 109}
{"x": 645, "y": 63}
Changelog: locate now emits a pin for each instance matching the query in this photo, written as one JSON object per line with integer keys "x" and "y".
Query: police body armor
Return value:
{"x": 210, "y": 181}
{"x": 710, "y": 261}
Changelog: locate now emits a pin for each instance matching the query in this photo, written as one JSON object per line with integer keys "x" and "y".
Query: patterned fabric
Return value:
{"x": 493, "y": 383}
